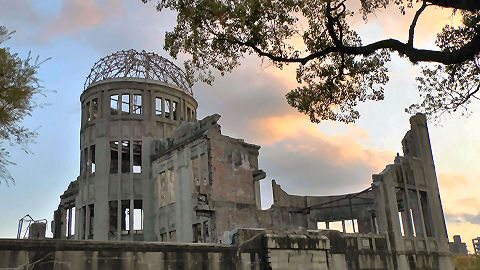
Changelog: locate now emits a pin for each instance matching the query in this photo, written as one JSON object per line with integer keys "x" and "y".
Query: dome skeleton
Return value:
{"x": 133, "y": 64}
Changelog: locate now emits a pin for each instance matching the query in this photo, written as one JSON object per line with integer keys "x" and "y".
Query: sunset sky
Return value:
{"x": 304, "y": 158}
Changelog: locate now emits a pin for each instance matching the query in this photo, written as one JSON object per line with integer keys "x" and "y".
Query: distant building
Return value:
{"x": 457, "y": 247}
{"x": 476, "y": 245}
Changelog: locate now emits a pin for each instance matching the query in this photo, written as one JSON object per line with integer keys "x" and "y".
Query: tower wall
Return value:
{"x": 120, "y": 119}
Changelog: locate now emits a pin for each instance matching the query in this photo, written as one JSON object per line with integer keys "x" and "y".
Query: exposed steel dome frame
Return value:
{"x": 133, "y": 64}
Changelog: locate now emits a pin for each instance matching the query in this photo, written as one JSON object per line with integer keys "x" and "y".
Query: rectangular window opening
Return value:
{"x": 137, "y": 215}
{"x": 171, "y": 186}
{"x": 113, "y": 217}
{"x": 88, "y": 112}
{"x": 174, "y": 110}
{"x": 162, "y": 190}
{"x": 206, "y": 233}
{"x": 401, "y": 223}
{"x": 114, "y": 104}
{"x": 86, "y": 162}
{"x": 203, "y": 169}
{"x": 137, "y": 156}
{"x": 172, "y": 236}
{"x": 94, "y": 108}
{"x": 92, "y": 159}
{"x": 321, "y": 225}
{"x": 125, "y": 216}
{"x": 91, "y": 220}
{"x": 125, "y": 156}
{"x": 83, "y": 217}
{"x": 413, "y": 222}
{"x": 72, "y": 222}
{"x": 349, "y": 226}
{"x": 197, "y": 233}
{"x": 158, "y": 106}
{"x": 336, "y": 225}
{"x": 167, "y": 108}
{"x": 188, "y": 114}
{"x": 426, "y": 214}
{"x": 137, "y": 104}
{"x": 125, "y": 104}
{"x": 114, "y": 157}
{"x": 163, "y": 237}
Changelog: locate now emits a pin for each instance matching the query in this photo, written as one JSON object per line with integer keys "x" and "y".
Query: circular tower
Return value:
{"x": 130, "y": 98}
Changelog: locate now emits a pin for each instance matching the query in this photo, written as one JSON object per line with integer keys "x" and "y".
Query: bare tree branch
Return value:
{"x": 411, "y": 31}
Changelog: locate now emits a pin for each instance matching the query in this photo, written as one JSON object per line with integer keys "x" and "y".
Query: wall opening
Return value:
{"x": 113, "y": 217}
{"x": 70, "y": 222}
{"x": 321, "y": 225}
{"x": 162, "y": 190}
{"x": 114, "y": 102}
{"x": 174, "y": 110}
{"x": 94, "y": 108}
{"x": 172, "y": 236}
{"x": 401, "y": 223}
{"x": 114, "y": 157}
{"x": 206, "y": 231}
{"x": 167, "y": 108}
{"x": 197, "y": 232}
{"x": 171, "y": 186}
{"x": 125, "y": 156}
{"x": 414, "y": 230}
{"x": 158, "y": 106}
{"x": 189, "y": 111}
{"x": 92, "y": 159}
{"x": 203, "y": 169}
{"x": 91, "y": 219}
{"x": 125, "y": 104}
{"x": 88, "y": 111}
{"x": 137, "y": 216}
{"x": 137, "y": 156}
{"x": 85, "y": 162}
{"x": 427, "y": 217}
{"x": 336, "y": 225}
{"x": 83, "y": 224}
{"x": 137, "y": 104}
{"x": 125, "y": 218}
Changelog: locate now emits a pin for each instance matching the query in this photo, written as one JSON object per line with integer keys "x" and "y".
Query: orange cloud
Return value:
{"x": 339, "y": 148}
{"x": 451, "y": 181}
{"x": 76, "y": 14}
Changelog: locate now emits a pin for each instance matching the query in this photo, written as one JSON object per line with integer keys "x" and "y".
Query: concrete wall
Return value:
{"x": 250, "y": 249}
{"x": 97, "y": 185}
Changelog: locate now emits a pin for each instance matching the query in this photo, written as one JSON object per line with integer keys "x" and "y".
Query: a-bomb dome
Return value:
{"x": 133, "y": 64}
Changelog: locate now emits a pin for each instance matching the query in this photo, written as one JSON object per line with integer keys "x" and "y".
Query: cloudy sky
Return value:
{"x": 328, "y": 158}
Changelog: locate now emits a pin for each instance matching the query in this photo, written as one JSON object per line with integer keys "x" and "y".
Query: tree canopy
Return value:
{"x": 335, "y": 69}
{"x": 18, "y": 85}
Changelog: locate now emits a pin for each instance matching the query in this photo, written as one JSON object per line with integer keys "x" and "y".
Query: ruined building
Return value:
{"x": 457, "y": 246}
{"x": 151, "y": 172}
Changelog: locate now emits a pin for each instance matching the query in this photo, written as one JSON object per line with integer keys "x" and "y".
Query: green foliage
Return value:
{"x": 18, "y": 85}
{"x": 335, "y": 70}
{"x": 466, "y": 262}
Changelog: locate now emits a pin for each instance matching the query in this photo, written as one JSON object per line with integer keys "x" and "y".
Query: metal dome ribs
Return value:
{"x": 133, "y": 64}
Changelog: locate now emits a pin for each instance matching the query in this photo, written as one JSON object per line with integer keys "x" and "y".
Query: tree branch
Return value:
{"x": 470, "y": 5}
{"x": 411, "y": 32}
{"x": 467, "y": 52}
